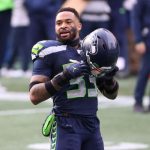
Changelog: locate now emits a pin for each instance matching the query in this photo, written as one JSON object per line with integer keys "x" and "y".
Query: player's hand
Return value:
{"x": 112, "y": 73}
{"x": 109, "y": 75}
{"x": 76, "y": 70}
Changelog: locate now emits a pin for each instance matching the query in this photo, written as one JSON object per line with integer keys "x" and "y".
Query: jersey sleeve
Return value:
{"x": 44, "y": 55}
{"x": 40, "y": 67}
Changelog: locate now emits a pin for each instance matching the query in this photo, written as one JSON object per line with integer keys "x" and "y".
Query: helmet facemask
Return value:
{"x": 95, "y": 69}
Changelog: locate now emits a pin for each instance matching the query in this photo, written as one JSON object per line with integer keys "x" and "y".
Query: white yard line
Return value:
{"x": 23, "y": 111}
{"x": 14, "y": 96}
{"x": 108, "y": 146}
{"x": 22, "y": 96}
{"x": 121, "y": 101}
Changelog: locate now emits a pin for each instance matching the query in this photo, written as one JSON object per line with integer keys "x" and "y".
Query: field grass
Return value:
{"x": 21, "y": 122}
{"x": 15, "y": 84}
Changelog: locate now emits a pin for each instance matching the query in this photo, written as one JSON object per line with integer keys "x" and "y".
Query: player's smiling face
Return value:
{"x": 67, "y": 26}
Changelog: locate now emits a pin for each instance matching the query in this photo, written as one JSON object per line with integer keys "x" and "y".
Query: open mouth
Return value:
{"x": 64, "y": 34}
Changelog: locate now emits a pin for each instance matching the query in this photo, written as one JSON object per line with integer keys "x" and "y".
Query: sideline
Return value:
{"x": 108, "y": 146}
{"x": 14, "y": 96}
{"x": 119, "y": 101}
{"x": 24, "y": 111}
{"x": 22, "y": 96}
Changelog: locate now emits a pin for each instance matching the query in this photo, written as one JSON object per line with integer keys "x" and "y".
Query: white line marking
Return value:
{"x": 112, "y": 146}
{"x": 121, "y": 101}
{"x": 24, "y": 111}
{"x": 11, "y": 96}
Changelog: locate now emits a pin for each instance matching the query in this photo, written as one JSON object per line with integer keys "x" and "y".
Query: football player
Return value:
{"x": 70, "y": 71}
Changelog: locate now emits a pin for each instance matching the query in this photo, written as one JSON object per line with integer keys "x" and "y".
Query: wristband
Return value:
{"x": 33, "y": 83}
{"x": 56, "y": 83}
{"x": 50, "y": 88}
{"x": 59, "y": 81}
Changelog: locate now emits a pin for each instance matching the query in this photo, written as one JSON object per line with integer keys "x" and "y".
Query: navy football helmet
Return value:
{"x": 101, "y": 51}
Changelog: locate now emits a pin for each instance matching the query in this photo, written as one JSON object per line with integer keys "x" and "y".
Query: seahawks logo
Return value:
{"x": 93, "y": 46}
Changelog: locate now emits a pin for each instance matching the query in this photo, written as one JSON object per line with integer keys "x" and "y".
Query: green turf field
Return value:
{"x": 21, "y": 122}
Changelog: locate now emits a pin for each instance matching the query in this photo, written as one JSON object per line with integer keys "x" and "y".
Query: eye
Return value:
{"x": 58, "y": 23}
{"x": 69, "y": 21}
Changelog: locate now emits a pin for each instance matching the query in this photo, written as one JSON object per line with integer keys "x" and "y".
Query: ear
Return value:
{"x": 79, "y": 26}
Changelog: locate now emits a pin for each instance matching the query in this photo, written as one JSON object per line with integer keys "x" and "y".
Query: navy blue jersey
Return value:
{"x": 77, "y": 97}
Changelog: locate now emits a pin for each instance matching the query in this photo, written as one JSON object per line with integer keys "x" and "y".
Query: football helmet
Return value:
{"x": 100, "y": 51}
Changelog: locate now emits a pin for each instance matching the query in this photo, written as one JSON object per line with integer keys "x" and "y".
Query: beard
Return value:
{"x": 72, "y": 35}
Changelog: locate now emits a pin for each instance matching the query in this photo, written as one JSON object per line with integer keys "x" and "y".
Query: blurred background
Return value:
{"x": 23, "y": 23}
{"x": 125, "y": 121}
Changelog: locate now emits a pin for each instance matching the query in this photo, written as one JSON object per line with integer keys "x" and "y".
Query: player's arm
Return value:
{"x": 42, "y": 88}
{"x": 108, "y": 85}
{"x": 37, "y": 90}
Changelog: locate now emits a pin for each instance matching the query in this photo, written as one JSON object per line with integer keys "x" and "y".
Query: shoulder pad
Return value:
{"x": 36, "y": 49}
{"x": 44, "y": 48}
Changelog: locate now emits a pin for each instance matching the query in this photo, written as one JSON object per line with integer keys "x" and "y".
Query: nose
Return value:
{"x": 63, "y": 25}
